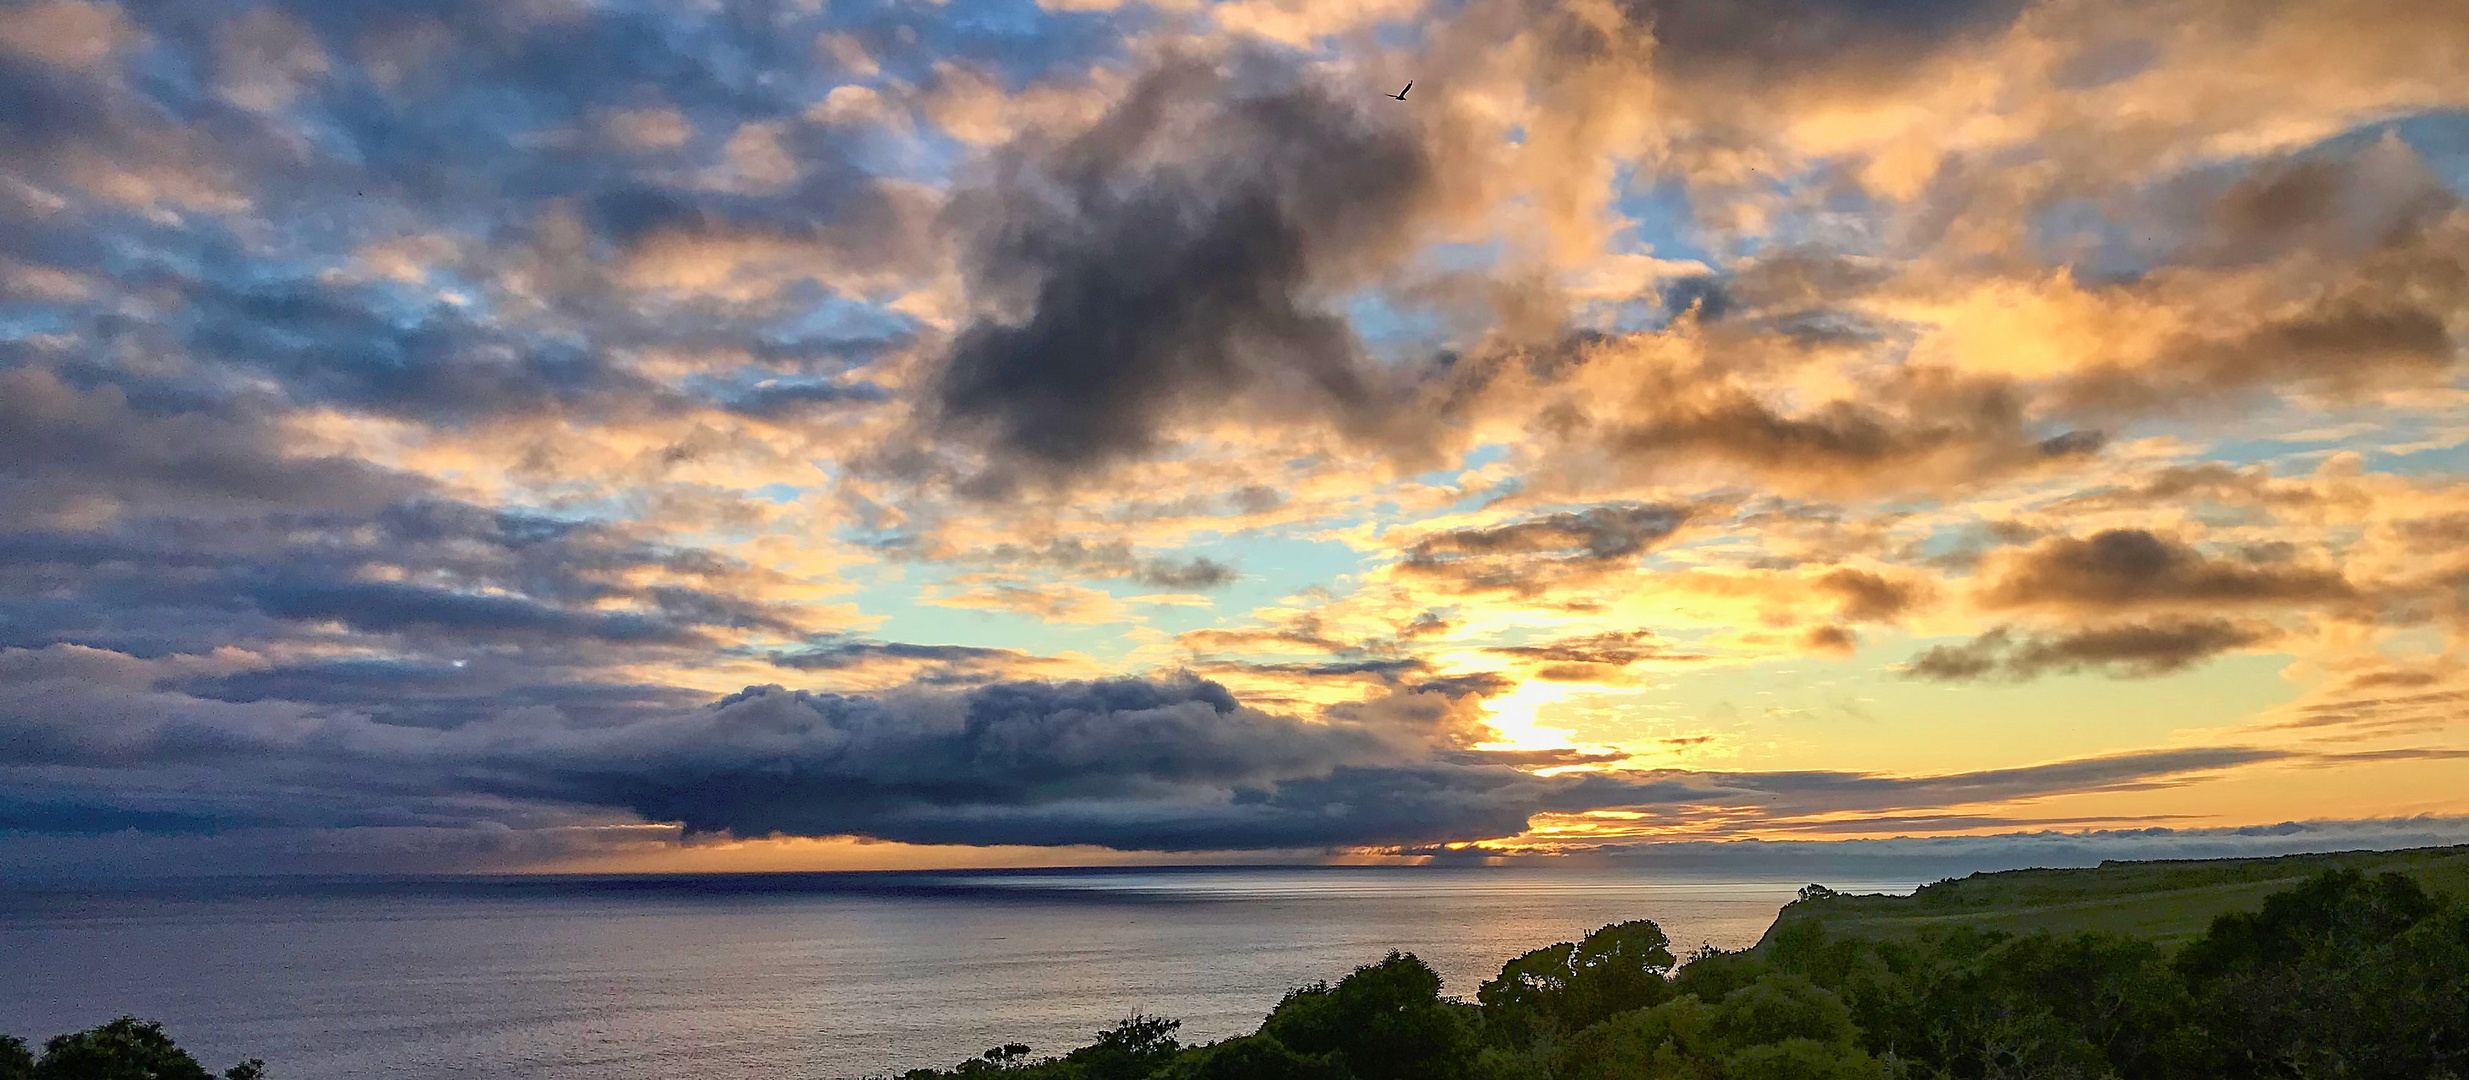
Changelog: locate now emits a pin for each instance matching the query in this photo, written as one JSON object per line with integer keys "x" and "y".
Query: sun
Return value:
{"x": 1516, "y": 718}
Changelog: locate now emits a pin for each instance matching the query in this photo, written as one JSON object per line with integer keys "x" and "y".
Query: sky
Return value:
{"x": 600, "y": 434}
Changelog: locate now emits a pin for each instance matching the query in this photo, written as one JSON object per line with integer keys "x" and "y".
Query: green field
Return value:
{"x": 2168, "y": 902}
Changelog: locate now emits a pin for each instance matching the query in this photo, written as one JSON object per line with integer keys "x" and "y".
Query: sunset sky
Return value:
{"x": 557, "y": 434}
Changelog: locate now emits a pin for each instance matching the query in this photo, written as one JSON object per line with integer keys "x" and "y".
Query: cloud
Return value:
{"x": 410, "y": 419}
{"x": 1385, "y": 671}
{"x": 90, "y": 454}
{"x": 1832, "y": 792}
{"x": 1597, "y": 532}
{"x": 1616, "y": 648}
{"x": 1599, "y": 657}
{"x": 1106, "y": 559}
{"x": 2127, "y": 650}
{"x": 1798, "y": 38}
{"x": 2126, "y": 569}
{"x": 1979, "y": 423}
{"x": 2212, "y": 482}
{"x": 1834, "y": 641}
{"x": 1166, "y": 764}
{"x": 1142, "y": 277}
{"x": 438, "y": 694}
{"x": 894, "y": 662}
{"x": 441, "y": 573}
{"x": 1915, "y": 860}
{"x": 1526, "y": 556}
{"x": 71, "y": 32}
{"x": 1697, "y": 405}
{"x": 2342, "y": 347}
{"x": 1047, "y": 602}
{"x": 1868, "y": 596}
{"x": 385, "y": 607}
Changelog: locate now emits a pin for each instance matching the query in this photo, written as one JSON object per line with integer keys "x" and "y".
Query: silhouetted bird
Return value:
{"x": 1401, "y": 95}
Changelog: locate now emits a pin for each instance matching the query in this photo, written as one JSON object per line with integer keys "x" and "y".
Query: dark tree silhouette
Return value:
{"x": 124, "y": 1049}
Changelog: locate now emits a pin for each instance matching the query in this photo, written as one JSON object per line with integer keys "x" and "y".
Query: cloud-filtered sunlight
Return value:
{"x": 552, "y": 434}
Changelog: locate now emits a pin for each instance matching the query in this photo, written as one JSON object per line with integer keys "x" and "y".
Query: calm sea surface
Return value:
{"x": 773, "y": 976}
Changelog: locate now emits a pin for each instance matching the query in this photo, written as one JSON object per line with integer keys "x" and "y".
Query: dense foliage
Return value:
{"x": 2343, "y": 977}
{"x": 125, "y": 1049}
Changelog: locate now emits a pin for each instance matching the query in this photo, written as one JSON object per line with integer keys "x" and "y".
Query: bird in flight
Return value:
{"x": 1401, "y": 95}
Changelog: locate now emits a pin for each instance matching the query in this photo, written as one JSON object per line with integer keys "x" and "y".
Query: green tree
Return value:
{"x": 2339, "y": 911}
{"x": 1523, "y": 1001}
{"x": 1671, "y": 1041}
{"x": 1262, "y": 1057}
{"x": 2343, "y": 976}
{"x": 1711, "y": 972}
{"x": 1006, "y": 1057}
{"x": 1779, "y": 1007}
{"x": 1801, "y": 1059}
{"x": 16, "y": 1062}
{"x": 127, "y": 1049}
{"x": 1386, "y": 1021}
{"x": 1130, "y": 1050}
{"x": 1567, "y": 987}
{"x": 1620, "y": 967}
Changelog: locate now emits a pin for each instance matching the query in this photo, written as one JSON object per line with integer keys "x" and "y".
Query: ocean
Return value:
{"x": 775, "y": 976}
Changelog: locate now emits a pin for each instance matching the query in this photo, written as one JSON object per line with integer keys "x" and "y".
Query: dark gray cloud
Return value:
{"x": 160, "y": 523}
{"x": 1170, "y": 766}
{"x": 1480, "y": 684}
{"x": 1525, "y": 556}
{"x": 384, "y": 607}
{"x": 2118, "y": 569}
{"x": 68, "y": 452}
{"x": 1595, "y": 533}
{"x": 420, "y": 572}
{"x": 440, "y": 694}
{"x": 337, "y": 345}
{"x": 1199, "y": 572}
{"x": 1173, "y": 260}
{"x": 1702, "y": 293}
{"x": 481, "y": 132}
{"x": 92, "y": 740}
{"x": 885, "y": 766}
{"x": 2126, "y": 650}
{"x": 1108, "y": 559}
{"x": 1792, "y": 38}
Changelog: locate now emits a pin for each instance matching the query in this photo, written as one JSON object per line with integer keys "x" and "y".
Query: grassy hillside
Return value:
{"x": 2168, "y": 902}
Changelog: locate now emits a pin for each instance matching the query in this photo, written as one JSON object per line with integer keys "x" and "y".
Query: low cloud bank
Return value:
{"x": 1906, "y": 861}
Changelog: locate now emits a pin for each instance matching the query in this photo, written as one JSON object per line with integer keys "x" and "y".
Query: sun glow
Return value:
{"x": 1516, "y": 717}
